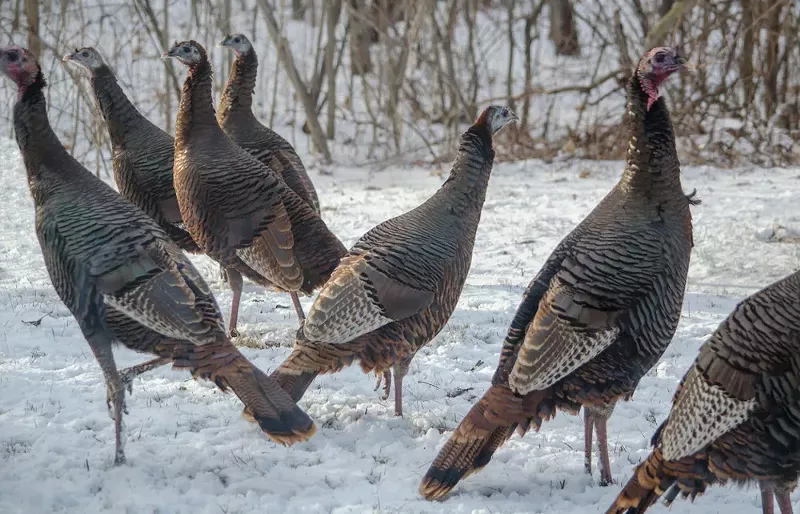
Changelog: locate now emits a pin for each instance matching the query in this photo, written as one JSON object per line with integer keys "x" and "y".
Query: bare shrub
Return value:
{"x": 379, "y": 81}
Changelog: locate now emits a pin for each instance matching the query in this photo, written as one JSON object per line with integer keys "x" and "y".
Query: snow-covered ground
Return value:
{"x": 190, "y": 452}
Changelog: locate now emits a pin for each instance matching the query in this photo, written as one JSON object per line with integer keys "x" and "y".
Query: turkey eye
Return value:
{"x": 85, "y": 53}
{"x": 186, "y": 49}
{"x": 504, "y": 112}
{"x": 237, "y": 40}
{"x": 12, "y": 56}
{"x": 659, "y": 58}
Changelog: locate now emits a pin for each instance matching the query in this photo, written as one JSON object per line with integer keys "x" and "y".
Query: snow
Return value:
{"x": 190, "y": 452}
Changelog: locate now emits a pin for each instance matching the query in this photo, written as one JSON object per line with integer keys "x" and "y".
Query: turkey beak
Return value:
{"x": 514, "y": 117}
{"x": 67, "y": 57}
{"x": 168, "y": 54}
{"x": 224, "y": 42}
{"x": 683, "y": 65}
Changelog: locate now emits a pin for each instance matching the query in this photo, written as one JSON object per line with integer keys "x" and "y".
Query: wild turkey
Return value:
{"x": 123, "y": 278}
{"x": 142, "y": 153}
{"x": 235, "y": 116}
{"x": 399, "y": 284}
{"x": 602, "y": 309}
{"x": 238, "y": 210}
{"x": 736, "y": 414}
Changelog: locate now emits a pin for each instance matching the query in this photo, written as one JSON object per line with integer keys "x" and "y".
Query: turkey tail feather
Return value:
{"x": 265, "y": 401}
{"x": 484, "y": 429}
{"x": 643, "y": 489}
{"x": 294, "y": 385}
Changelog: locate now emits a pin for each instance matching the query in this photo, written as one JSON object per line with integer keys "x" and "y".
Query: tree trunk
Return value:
{"x": 167, "y": 95}
{"x": 510, "y": 72}
{"x": 32, "y": 16}
{"x": 668, "y": 22}
{"x": 664, "y": 6}
{"x": 397, "y": 69}
{"x": 334, "y": 10}
{"x": 772, "y": 66}
{"x": 298, "y": 10}
{"x": 563, "y": 32}
{"x": 746, "y": 60}
{"x": 17, "y": 11}
{"x": 360, "y": 39}
{"x": 300, "y": 87}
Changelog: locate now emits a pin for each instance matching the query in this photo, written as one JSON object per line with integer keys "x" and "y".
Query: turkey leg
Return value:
{"x": 297, "y": 307}
{"x": 386, "y": 378}
{"x": 767, "y": 504}
{"x": 600, "y": 424}
{"x": 128, "y": 374}
{"x": 597, "y": 417}
{"x": 115, "y": 392}
{"x": 400, "y": 370}
{"x": 236, "y": 283}
{"x": 588, "y": 431}
{"x": 784, "y": 501}
{"x": 781, "y": 492}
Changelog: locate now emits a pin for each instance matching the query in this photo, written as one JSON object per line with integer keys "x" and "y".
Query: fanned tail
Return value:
{"x": 484, "y": 429}
{"x": 265, "y": 401}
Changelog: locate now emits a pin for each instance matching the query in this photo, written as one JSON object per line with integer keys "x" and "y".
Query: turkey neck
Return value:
{"x": 35, "y": 137}
{"x": 118, "y": 111}
{"x": 238, "y": 94}
{"x": 469, "y": 177}
{"x": 653, "y": 168}
{"x": 196, "y": 109}
{"x": 41, "y": 149}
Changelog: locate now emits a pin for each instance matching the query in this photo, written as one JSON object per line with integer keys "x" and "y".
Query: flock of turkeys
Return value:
{"x": 595, "y": 319}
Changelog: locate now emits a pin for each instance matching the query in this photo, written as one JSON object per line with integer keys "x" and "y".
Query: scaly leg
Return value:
{"x": 128, "y": 374}
{"x": 400, "y": 370}
{"x": 588, "y": 431}
{"x": 784, "y": 502}
{"x": 600, "y": 423}
{"x": 386, "y": 378}
{"x": 236, "y": 282}
{"x": 767, "y": 505}
{"x": 600, "y": 415}
{"x": 782, "y": 491}
{"x": 297, "y": 307}
{"x": 115, "y": 392}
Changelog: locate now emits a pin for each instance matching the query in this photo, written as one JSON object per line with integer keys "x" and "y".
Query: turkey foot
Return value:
{"x": 386, "y": 378}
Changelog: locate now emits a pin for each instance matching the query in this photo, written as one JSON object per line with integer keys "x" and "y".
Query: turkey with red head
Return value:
{"x": 603, "y": 308}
